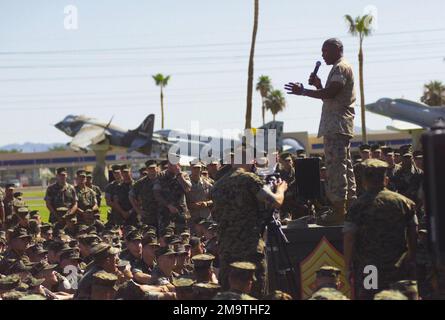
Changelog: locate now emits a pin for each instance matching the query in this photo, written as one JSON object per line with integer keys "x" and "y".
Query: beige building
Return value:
{"x": 38, "y": 167}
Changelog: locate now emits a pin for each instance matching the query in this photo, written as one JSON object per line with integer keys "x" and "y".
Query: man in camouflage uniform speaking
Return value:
{"x": 238, "y": 199}
{"x": 336, "y": 124}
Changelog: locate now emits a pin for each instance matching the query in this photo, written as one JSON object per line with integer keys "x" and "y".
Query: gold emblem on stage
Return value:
{"x": 324, "y": 254}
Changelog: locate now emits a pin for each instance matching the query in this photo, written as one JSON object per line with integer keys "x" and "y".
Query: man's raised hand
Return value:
{"x": 294, "y": 88}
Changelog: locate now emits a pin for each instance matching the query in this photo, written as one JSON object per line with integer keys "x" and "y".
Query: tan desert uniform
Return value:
{"x": 336, "y": 127}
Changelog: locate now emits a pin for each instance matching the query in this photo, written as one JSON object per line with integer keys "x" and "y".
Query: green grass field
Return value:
{"x": 34, "y": 199}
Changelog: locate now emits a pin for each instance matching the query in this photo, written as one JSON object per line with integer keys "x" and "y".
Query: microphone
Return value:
{"x": 314, "y": 73}
{"x": 317, "y": 66}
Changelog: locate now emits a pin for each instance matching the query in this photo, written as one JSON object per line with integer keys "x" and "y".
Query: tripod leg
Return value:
{"x": 284, "y": 271}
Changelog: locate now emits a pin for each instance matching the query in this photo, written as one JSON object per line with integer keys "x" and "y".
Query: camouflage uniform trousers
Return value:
{"x": 341, "y": 181}
{"x": 259, "y": 259}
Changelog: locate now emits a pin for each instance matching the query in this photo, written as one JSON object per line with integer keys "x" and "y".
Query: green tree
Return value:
{"x": 162, "y": 82}
{"x": 433, "y": 93}
{"x": 58, "y": 148}
{"x": 264, "y": 86}
{"x": 275, "y": 102}
{"x": 248, "y": 123}
{"x": 361, "y": 27}
{"x": 11, "y": 151}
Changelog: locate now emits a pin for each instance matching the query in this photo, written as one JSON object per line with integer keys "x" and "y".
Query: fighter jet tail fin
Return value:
{"x": 146, "y": 127}
{"x": 142, "y": 136}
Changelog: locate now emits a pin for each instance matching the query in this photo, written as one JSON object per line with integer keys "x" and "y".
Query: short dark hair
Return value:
{"x": 335, "y": 42}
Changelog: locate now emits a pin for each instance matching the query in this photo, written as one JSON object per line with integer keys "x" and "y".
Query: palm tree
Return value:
{"x": 264, "y": 86}
{"x": 275, "y": 102}
{"x": 248, "y": 123}
{"x": 433, "y": 93}
{"x": 361, "y": 26}
{"x": 162, "y": 82}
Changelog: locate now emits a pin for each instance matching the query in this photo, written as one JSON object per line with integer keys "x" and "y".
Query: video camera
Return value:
{"x": 272, "y": 180}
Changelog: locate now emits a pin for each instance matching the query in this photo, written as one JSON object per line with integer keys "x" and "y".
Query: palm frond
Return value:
{"x": 160, "y": 79}
{"x": 165, "y": 81}
{"x": 360, "y": 25}
{"x": 264, "y": 85}
{"x": 364, "y": 25}
{"x": 351, "y": 24}
{"x": 275, "y": 102}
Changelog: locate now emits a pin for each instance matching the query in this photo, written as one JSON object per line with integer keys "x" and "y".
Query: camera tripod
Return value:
{"x": 281, "y": 273}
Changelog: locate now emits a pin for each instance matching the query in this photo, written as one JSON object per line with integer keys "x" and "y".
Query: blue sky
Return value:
{"x": 104, "y": 68}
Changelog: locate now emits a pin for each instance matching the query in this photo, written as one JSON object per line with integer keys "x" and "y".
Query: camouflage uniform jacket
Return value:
{"x": 110, "y": 189}
{"x": 158, "y": 278}
{"x": 200, "y": 192}
{"x": 144, "y": 268}
{"x": 86, "y": 198}
{"x": 10, "y": 257}
{"x": 337, "y": 115}
{"x": 121, "y": 193}
{"x": 86, "y": 283}
{"x": 61, "y": 196}
{"x": 238, "y": 213}
{"x": 168, "y": 188}
{"x": 379, "y": 220}
{"x": 391, "y": 173}
{"x": 408, "y": 181}
{"x": 8, "y": 206}
{"x": 135, "y": 262}
{"x": 98, "y": 192}
{"x": 142, "y": 190}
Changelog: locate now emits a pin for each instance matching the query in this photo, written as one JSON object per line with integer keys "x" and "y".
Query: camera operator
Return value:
{"x": 239, "y": 198}
{"x": 286, "y": 172}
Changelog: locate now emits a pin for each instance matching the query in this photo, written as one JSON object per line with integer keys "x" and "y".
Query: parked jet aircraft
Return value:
{"x": 87, "y": 132}
{"x": 406, "y": 114}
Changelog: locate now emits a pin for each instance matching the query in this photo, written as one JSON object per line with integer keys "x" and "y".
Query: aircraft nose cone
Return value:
{"x": 59, "y": 125}
{"x": 371, "y": 106}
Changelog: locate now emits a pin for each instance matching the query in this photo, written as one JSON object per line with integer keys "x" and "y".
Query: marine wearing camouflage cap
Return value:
{"x": 408, "y": 288}
{"x": 105, "y": 279}
{"x": 390, "y": 295}
{"x": 10, "y": 282}
{"x": 205, "y": 291}
{"x": 328, "y": 271}
{"x": 328, "y": 294}
{"x": 203, "y": 260}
